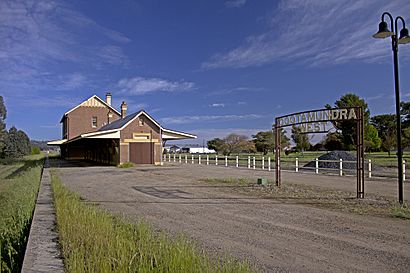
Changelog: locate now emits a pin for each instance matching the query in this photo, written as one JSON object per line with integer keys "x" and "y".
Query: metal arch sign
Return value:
{"x": 313, "y": 122}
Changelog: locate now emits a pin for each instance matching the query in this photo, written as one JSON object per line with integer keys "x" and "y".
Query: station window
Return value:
{"x": 94, "y": 122}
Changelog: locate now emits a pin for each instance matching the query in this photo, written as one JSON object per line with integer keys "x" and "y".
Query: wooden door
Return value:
{"x": 141, "y": 153}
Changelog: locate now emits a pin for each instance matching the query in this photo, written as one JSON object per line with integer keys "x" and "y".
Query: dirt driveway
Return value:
{"x": 277, "y": 236}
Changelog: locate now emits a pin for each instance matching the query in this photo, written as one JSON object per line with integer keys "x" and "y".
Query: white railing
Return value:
{"x": 261, "y": 163}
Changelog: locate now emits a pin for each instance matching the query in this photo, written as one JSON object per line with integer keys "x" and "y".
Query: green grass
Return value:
{"x": 229, "y": 180}
{"x": 400, "y": 211}
{"x": 126, "y": 165}
{"x": 93, "y": 240}
{"x": 19, "y": 183}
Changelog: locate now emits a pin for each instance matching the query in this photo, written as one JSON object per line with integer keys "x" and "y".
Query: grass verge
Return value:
{"x": 315, "y": 196}
{"x": 126, "y": 165}
{"x": 93, "y": 240}
{"x": 19, "y": 184}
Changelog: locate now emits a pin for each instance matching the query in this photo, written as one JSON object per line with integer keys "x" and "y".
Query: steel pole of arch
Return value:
{"x": 277, "y": 153}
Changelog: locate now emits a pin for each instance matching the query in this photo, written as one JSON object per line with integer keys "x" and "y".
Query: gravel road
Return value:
{"x": 276, "y": 236}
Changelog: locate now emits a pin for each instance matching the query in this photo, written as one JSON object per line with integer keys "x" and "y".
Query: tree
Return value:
{"x": 347, "y": 128}
{"x": 3, "y": 132}
{"x": 234, "y": 143}
{"x": 333, "y": 141}
{"x": 264, "y": 141}
{"x": 386, "y": 127}
{"x": 17, "y": 144}
{"x": 215, "y": 144}
{"x": 301, "y": 140}
{"x": 389, "y": 141}
{"x": 372, "y": 140}
{"x": 405, "y": 113}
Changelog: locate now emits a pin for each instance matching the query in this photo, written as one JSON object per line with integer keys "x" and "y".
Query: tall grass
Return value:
{"x": 19, "y": 183}
{"x": 93, "y": 240}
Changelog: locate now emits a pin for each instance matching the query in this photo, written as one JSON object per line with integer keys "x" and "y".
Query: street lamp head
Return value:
{"x": 383, "y": 32}
{"x": 404, "y": 36}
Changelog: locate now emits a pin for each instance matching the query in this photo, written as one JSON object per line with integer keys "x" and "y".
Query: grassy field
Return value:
{"x": 314, "y": 196}
{"x": 93, "y": 240}
{"x": 19, "y": 183}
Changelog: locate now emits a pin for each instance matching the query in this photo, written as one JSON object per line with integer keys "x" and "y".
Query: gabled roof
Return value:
{"x": 113, "y": 129}
{"x": 93, "y": 97}
{"x": 122, "y": 123}
{"x": 172, "y": 134}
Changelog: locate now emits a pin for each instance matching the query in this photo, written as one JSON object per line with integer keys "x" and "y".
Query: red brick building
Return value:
{"x": 94, "y": 130}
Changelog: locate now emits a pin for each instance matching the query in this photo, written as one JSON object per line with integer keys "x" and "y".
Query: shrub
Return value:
{"x": 35, "y": 150}
{"x": 126, "y": 165}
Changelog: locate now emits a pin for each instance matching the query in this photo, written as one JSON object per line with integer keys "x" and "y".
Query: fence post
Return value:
{"x": 341, "y": 167}
{"x": 249, "y": 162}
{"x": 192, "y": 161}
{"x": 199, "y": 159}
{"x": 237, "y": 161}
{"x": 370, "y": 168}
{"x": 226, "y": 161}
{"x": 263, "y": 162}
{"x": 296, "y": 164}
{"x": 186, "y": 159}
{"x": 269, "y": 164}
{"x": 254, "y": 163}
{"x": 169, "y": 157}
{"x": 404, "y": 170}
{"x": 179, "y": 158}
{"x": 207, "y": 159}
{"x": 216, "y": 160}
{"x": 175, "y": 157}
{"x": 316, "y": 165}
{"x": 164, "y": 157}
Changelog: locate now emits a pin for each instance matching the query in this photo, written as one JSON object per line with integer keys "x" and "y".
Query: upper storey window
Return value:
{"x": 94, "y": 122}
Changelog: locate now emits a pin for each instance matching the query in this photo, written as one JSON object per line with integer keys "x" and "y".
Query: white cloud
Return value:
{"x": 226, "y": 91}
{"x": 37, "y": 35}
{"x": 141, "y": 85}
{"x": 217, "y": 105}
{"x": 317, "y": 32}
{"x": 235, "y": 3}
{"x": 112, "y": 55}
{"x": 208, "y": 118}
{"x": 49, "y": 102}
{"x": 72, "y": 81}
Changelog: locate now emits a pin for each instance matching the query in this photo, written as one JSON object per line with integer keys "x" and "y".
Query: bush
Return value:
{"x": 35, "y": 150}
{"x": 126, "y": 165}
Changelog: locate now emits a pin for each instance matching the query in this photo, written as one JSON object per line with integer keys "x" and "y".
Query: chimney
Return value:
{"x": 108, "y": 98}
{"x": 123, "y": 109}
{"x": 109, "y": 117}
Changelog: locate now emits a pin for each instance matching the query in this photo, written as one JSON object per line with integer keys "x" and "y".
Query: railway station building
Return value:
{"x": 94, "y": 130}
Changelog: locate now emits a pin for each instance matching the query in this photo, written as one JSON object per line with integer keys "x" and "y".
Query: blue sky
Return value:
{"x": 204, "y": 67}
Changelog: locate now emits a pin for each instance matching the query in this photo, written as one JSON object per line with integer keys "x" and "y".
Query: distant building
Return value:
{"x": 198, "y": 150}
{"x": 94, "y": 130}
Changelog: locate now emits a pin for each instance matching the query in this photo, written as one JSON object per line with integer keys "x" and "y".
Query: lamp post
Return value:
{"x": 384, "y": 32}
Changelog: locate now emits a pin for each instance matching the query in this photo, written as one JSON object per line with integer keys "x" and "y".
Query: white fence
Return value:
{"x": 267, "y": 163}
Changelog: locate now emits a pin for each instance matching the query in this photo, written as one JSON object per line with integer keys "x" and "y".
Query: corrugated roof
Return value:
{"x": 118, "y": 123}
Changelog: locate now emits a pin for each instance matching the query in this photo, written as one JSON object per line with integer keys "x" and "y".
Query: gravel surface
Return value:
{"x": 276, "y": 236}
{"x": 334, "y": 156}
